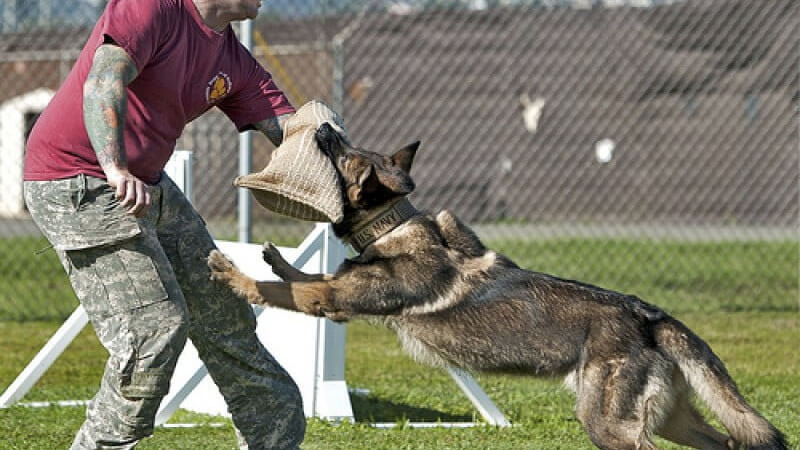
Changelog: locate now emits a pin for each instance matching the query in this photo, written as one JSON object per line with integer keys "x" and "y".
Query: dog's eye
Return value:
{"x": 341, "y": 161}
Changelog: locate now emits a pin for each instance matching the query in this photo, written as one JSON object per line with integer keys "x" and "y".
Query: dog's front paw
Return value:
{"x": 271, "y": 254}
{"x": 280, "y": 266}
{"x": 222, "y": 269}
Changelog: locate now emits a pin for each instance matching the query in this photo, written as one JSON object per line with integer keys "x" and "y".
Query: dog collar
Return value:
{"x": 369, "y": 230}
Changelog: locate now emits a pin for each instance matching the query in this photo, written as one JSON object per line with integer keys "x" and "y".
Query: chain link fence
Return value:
{"x": 646, "y": 146}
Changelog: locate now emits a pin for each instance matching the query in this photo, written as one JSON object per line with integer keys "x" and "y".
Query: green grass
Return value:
{"x": 759, "y": 349}
{"x": 33, "y": 284}
{"x": 742, "y": 297}
{"x": 678, "y": 276}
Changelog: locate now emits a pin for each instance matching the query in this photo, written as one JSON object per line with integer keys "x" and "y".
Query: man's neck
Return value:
{"x": 211, "y": 14}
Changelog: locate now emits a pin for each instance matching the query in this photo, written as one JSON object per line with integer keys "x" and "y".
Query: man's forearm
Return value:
{"x": 105, "y": 104}
{"x": 273, "y": 128}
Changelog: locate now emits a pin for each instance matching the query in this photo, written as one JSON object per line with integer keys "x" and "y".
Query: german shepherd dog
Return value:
{"x": 454, "y": 302}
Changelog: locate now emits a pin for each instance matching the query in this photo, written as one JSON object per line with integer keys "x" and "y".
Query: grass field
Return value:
{"x": 758, "y": 347}
{"x": 678, "y": 276}
{"x": 741, "y": 297}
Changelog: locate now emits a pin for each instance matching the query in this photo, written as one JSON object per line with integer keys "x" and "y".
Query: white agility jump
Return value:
{"x": 314, "y": 355}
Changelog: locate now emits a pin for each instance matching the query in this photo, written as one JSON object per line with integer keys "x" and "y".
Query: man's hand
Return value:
{"x": 133, "y": 192}
{"x": 272, "y": 128}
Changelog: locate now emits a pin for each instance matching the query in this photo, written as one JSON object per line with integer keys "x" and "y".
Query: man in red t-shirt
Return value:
{"x": 134, "y": 248}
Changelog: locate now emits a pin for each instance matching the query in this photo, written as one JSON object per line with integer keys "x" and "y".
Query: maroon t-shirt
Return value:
{"x": 185, "y": 68}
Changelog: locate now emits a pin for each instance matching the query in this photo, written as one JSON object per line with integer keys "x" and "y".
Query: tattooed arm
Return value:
{"x": 273, "y": 128}
{"x": 104, "y": 106}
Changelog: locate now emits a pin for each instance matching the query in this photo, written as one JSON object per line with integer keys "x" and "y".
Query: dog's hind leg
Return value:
{"x": 608, "y": 408}
{"x": 686, "y": 426}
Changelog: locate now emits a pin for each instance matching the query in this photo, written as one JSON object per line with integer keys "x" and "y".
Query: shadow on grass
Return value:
{"x": 369, "y": 409}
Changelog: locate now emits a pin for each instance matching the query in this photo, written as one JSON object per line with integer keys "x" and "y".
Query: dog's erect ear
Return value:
{"x": 369, "y": 181}
{"x": 376, "y": 184}
{"x": 405, "y": 156}
{"x": 397, "y": 182}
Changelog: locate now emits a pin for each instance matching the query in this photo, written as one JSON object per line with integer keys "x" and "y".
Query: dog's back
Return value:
{"x": 480, "y": 310}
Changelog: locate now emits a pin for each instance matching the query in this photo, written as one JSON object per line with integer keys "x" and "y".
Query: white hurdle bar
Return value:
{"x": 319, "y": 375}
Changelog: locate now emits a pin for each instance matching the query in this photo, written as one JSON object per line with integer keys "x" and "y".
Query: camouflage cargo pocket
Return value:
{"x": 110, "y": 279}
{"x": 155, "y": 351}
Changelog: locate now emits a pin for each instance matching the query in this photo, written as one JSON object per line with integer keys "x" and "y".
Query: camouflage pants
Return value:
{"x": 145, "y": 286}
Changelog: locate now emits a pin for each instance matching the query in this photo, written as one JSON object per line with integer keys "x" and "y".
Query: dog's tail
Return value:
{"x": 706, "y": 374}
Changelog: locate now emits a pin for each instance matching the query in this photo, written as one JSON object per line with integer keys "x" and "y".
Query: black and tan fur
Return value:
{"x": 454, "y": 302}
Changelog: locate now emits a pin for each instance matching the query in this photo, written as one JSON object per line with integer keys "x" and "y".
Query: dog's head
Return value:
{"x": 368, "y": 179}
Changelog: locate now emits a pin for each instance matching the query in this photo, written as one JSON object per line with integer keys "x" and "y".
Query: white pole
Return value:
{"x": 245, "y": 151}
{"x": 478, "y": 397}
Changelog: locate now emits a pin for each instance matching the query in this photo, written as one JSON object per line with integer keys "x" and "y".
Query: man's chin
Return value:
{"x": 255, "y": 10}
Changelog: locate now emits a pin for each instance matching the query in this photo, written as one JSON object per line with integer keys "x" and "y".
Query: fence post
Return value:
{"x": 245, "y": 152}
